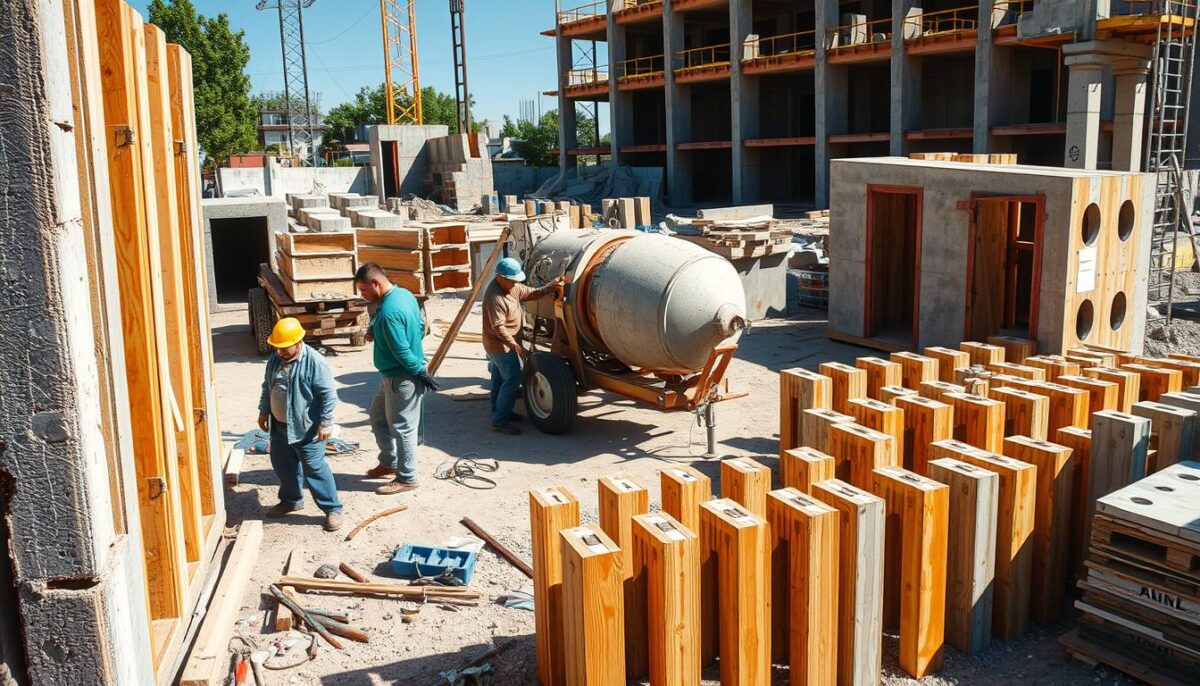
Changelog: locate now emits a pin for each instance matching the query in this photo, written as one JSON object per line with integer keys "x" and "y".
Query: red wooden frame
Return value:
{"x": 868, "y": 299}
{"x": 1039, "y": 201}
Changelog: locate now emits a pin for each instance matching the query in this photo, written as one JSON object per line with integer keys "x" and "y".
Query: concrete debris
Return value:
{"x": 594, "y": 184}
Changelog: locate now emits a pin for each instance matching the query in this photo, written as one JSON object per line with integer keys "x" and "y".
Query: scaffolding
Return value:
{"x": 295, "y": 76}
{"x": 458, "y": 38}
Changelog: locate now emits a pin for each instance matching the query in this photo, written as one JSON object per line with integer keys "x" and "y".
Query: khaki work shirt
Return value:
{"x": 502, "y": 314}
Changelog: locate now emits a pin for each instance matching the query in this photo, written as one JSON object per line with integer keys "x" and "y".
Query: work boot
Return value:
{"x": 333, "y": 521}
{"x": 280, "y": 509}
{"x": 381, "y": 472}
{"x": 395, "y": 487}
{"x": 507, "y": 429}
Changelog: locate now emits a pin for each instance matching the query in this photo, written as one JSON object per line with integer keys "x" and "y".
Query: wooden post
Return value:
{"x": 735, "y": 597}
{"x": 551, "y": 510}
{"x": 883, "y": 418}
{"x": 848, "y": 382}
{"x": 977, "y": 421}
{"x": 1120, "y": 443}
{"x": 914, "y": 591}
{"x": 915, "y": 369}
{"x": 1186, "y": 401}
{"x": 889, "y": 394}
{"x": 1068, "y": 406}
{"x": 936, "y": 390}
{"x": 948, "y": 360}
{"x": 1155, "y": 380}
{"x": 1054, "y": 366}
{"x": 982, "y": 354}
{"x": 1129, "y": 384}
{"x": 293, "y": 567}
{"x": 800, "y": 390}
{"x": 620, "y": 499}
{"x": 971, "y": 552}
{"x": 667, "y": 553}
{"x": 1014, "y": 531}
{"x": 880, "y": 373}
{"x": 1080, "y": 442}
{"x": 683, "y": 489}
{"x": 1093, "y": 358}
{"x": 642, "y": 211}
{"x": 1172, "y": 430}
{"x": 925, "y": 421}
{"x": 1015, "y": 349}
{"x": 747, "y": 482}
{"x": 816, "y": 424}
{"x": 1018, "y": 370}
{"x": 1025, "y": 413}
{"x": 593, "y": 634}
{"x": 803, "y": 467}
{"x": 860, "y": 581}
{"x": 804, "y": 554}
{"x": 1052, "y": 522}
{"x": 857, "y": 451}
{"x": 1102, "y": 395}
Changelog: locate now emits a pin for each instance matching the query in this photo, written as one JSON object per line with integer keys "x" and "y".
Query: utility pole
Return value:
{"x": 458, "y": 37}
{"x": 295, "y": 76}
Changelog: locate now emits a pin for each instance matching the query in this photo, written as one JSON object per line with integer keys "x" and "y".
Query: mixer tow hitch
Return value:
{"x": 706, "y": 416}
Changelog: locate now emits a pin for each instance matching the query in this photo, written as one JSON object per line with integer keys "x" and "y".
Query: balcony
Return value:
{"x": 953, "y": 30}
{"x": 638, "y": 11}
{"x": 587, "y": 84}
{"x": 869, "y": 41}
{"x": 787, "y": 52}
{"x": 1005, "y": 16}
{"x": 710, "y": 63}
{"x": 641, "y": 72}
{"x": 588, "y": 21}
{"x": 1140, "y": 20}
{"x": 686, "y": 5}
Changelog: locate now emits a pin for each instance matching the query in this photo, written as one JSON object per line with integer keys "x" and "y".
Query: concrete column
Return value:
{"x": 744, "y": 93}
{"x": 1129, "y": 117}
{"x": 831, "y": 99}
{"x": 1084, "y": 94}
{"x": 993, "y": 74}
{"x": 620, "y": 103}
{"x": 678, "y": 100}
{"x": 567, "y": 134}
{"x": 906, "y": 82}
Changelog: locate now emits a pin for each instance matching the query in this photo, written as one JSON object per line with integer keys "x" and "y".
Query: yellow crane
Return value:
{"x": 403, "y": 79}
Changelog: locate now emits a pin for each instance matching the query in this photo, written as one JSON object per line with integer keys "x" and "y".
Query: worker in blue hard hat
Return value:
{"x": 502, "y": 315}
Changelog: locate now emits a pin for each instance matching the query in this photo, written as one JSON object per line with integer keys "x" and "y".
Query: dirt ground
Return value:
{"x": 610, "y": 436}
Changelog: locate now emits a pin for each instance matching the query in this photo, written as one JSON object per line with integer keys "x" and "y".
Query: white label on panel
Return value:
{"x": 1086, "y": 281}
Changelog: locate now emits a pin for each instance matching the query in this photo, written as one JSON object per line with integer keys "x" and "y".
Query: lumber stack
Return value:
{"x": 316, "y": 266}
{"x": 425, "y": 258}
{"x": 1141, "y": 596}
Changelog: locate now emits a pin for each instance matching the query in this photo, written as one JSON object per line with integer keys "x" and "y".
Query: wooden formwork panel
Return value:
{"x": 395, "y": 239}
{"x": 1025, "y": 413}
{"x": 880, "y": 373}
{"x": 551, "y": 511}
{"x": 392, "y": 259}
{"x": 925, "y": 422}
{"x": 848, "y": 382}
{"x": 683, "y": 488}
{"x": 593, "y": 633}
{"x": 800, "y": 390}
{"x": 667, "y": 555}
{"x": 800, "y": 468}
{"x": 948, "y": 360}
{"x": 746, "y": 482}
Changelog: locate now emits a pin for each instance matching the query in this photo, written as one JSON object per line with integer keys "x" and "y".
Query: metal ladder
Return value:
{"x": 1166, "y": 142}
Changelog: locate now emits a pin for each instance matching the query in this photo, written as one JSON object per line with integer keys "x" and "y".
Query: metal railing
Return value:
{"x": 863, "y": 33}
{"x": 1153, "y": 8}
{"x": 799, "y": 43}
{"x": 631, "y": 4}
{"x": 583, "y": 12}
{"x": 586, "y": 77}
{"x": 942, "y": 22}
{"x": 641, "y": 67}
{"x": 708, "y": 56}
{"x": 1013, "y": 9}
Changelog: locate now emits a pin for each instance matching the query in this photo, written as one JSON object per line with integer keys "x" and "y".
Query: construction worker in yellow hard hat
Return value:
{"x": 296, "y": 408}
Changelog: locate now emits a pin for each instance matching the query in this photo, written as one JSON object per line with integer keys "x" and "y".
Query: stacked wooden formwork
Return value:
{"x": 426, "y": 258}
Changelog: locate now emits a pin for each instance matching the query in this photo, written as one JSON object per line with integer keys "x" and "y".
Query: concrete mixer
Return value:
{"x": 649, "y": 317}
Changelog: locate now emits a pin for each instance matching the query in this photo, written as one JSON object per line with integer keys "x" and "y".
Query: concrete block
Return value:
{"x": 328, "y": 222}
{"x": 338, "y": 200}
{"x": 379, "y": 219}
{"x": 300, "y": 202}
{"x": 739, "y": 212}
{"x": 321, "y": 211}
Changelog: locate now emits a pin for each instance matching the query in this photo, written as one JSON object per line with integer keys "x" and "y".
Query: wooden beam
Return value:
{"x": 1120, "y": 443}
{"x": 1155, "y": 381}
{"x": 1129, "y": 384}
{"x": 667, "y": 553}
{"x": 880, "y": 373}
{"x": 857, "y": 451}
{"x": 925, "y": 421}
{"x": 816, "y": 424}
{"x": 1102, "y": 395}
{"x": 915, "y": 368}
{"x": 971, "y": 552}
{"x": 881, "y": 417}
{"x": 1172, "y": 432}
{"x": 977, "y": 421}
{"x": 848, "y": 382}
{"x": 803, "y": 467}
{"x": 208, "y": 662}
{"x": 1068, "y": 406}
{"x": 1080, "y": 442}
{"x": 551, "y": 511}
{"x": 936, "y": 390}
{"x": 1018, "y": 370}
{"x": 620, "y": 499}
{"x": 1015, "y": 349}
{"x": 804, "y": 555}
{"x": 293, "y": 567}
{"x": 889, "y": 394}
{"x": 746, "y": 482}
{"x": 1025, "y": 413}
{"x": 593, "y": 633}
{"x": 860, "y": 581}
{"x": 948, "y": 360}
{"x": 232, "y": 468}
{"x": 1054, "y": 366}
{"x": 1186, "y": 401}
{"x": 1189, "y": 370}
{"x": 982, "y": 354}
{"x": 800, "y": 390}
{"x": 683, "y": 489}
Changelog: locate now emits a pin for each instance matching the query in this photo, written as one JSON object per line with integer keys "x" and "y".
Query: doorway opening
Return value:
{"x": 391, "y": 169}
{"x": 893, "y": 264}
{"x": 239, "y": 245}
{"x": 1004, "y": 263}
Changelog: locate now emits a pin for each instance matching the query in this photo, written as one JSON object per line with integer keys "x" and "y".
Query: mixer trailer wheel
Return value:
{"x": 551, "y": 399}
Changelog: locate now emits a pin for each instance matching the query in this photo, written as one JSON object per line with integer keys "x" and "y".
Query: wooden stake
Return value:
{"x": 746, "y": 482}
{"x": 948, "y": 360}
{"x": 620, "y": 499}
{"x": 883, "y": 418}
{"x": 593, "y": 633}
{"x": 551, "y": 511}
{"x": 848, "y": 382}
{"x": 1054, "y": 366}
{"x": 977, "y": 421}
{"x": 1120, "y": 443}
{"x": 683, "y": 489}
{"x": 800, "y": 390}
{"x": 880, "y": 373}
{"x": 925, "y": 421}
{"x": 667, "y": 553}
{"x": 857, "y": 451}
{"x": 816, "y": 424}
{"x": 916, "y": 369}
{"x": 283, "y": 614}
{"x": 803, "y": 467}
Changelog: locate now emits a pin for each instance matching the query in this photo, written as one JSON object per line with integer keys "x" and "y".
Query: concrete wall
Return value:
{"x": 511, "y": 178}
{"x": 460, "y": 173}
{"x": 412, "y": 156}
{"x": 276, "y": 182}
{"x": 275, "y": 212}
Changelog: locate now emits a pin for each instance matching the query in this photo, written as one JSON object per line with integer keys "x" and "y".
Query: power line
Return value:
{"x": 344, "y": 31}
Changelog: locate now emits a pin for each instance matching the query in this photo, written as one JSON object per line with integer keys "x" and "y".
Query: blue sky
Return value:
{"x": 507, "y": 59}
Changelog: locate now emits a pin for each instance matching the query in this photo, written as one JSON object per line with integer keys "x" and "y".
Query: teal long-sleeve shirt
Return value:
{"x": 398, "y": 330}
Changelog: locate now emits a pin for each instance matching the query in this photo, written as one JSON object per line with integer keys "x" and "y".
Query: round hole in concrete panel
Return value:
{"x": 1116, "y": 313}
{"x": 1142, "y": 501}
{"x": 1189, "y": 477}
{"x": 1084, "y": 319}
{"x": 1091, "y": 224}
{"x": 1125, "y": 221}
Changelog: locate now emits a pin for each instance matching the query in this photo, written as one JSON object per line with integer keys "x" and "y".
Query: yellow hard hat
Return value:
{"x": 287, "y": 332}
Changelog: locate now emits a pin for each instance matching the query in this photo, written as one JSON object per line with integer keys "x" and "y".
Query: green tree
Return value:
{"x": 226, "y": 120}
{"x": 369, "y": 106}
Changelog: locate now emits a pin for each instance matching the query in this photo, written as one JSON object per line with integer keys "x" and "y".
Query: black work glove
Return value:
{"x": 430, "y": 384}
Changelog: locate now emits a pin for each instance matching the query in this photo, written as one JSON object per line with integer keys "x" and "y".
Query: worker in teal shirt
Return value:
{"x": 397, "y": 329}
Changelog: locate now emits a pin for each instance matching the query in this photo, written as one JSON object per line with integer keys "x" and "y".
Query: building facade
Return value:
{"x": 749, "y": 100}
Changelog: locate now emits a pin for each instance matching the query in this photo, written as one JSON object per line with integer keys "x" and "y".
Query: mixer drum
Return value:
{"x": 663, "y": 303}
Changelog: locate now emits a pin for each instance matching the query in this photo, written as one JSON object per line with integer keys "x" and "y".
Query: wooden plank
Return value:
{"x": 1155, "y": 381}
{"x": 860, "y": 581}
{"x": 683, "y": 489}
{"x": 880, "y": 373}
{"x": 317, "y": 243}
{"x": 551, "y": 511}
{"x": 208, "y": 661}
{"x": 1102, "y": 395}
{"x": 392, "y": 259}
{"x": 411, "y": 282}
{"x": 936, "y": 390}
{"x": 1172, "y": 431}
{"x": 914, "y": 591}
{"x": 444, "y": 233}
{"x": 448, "y": 257}
{"x": 800, "y": 390}
{"x": 982, "y": 354}
{"x": 1018, "y": 370}
{"x": 1189, "y": 370}
{"x": 667, "y": 553}
{"x": 330, "y": 266}
{"x": 293, "y": 567}
{"x": 883, "y": 418}
{"x": 804, "y": 555}
{"x": 857, "y": 451}
{"x": 746, "y": 481}
{"x": 441, "y": 282}
{"x": 971, "y": 552}
{"x": 889, "y": 394}
{"x": 1052, "y": 522}
{"x": 1014, "y": 531}
{"x": 735, "y": 593}
{"x": 232, "y": 468}
{"x": 133, "y": 195}
{"x": 1129, "y": 384}
{"x": 816, "y": 423}
{"x": 642, "y": 211}
{"x": 800, "y": 468}
{"x": 402, "y": 239}
{"x": 620, "y": 499}
{"x": 925, "y": 421}
{"x": 1015, "y": 349}
{"x": 1025, "y": 413}
{"x": 848, "y": 382}
{"x": 915, "y": 368}
{"x": 948, "y": 360}
{"x": 977, "y": 421}
{"x": 593, "y": 633}
{"x": 1080, "y": 443}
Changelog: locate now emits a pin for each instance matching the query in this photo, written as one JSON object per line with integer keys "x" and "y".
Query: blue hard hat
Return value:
{"x": 510, "y": 268}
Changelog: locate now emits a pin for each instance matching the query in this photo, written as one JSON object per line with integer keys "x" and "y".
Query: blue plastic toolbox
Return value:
{"x": 412, "y": 561}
